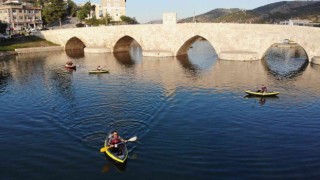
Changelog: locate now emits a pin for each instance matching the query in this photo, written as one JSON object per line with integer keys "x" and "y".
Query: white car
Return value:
{"x": 5, "y": 36}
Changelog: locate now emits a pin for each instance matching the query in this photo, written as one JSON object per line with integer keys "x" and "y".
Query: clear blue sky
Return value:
{"x": 147, "y": 10}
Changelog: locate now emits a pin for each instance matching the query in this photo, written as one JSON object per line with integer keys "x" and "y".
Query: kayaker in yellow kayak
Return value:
{"x": 114, "y": 141}
{"x": 263, "y": 89}
{"x": 99, "y": 68}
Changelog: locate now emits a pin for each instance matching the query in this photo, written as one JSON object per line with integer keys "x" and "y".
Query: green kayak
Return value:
{"x": 98, "y": 71}
{"x": 263, "y": 94}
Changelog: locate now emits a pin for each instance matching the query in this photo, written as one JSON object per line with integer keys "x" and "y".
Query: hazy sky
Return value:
{"x": 147, "y": 10}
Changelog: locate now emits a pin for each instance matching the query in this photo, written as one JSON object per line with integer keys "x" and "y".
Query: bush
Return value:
{"x": 79, "y": 25}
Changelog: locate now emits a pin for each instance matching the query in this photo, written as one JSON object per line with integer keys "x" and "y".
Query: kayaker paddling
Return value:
{"x": 263, "y": 89}
{"x": 115, "y": 142}
{"x": 115, "y": 147}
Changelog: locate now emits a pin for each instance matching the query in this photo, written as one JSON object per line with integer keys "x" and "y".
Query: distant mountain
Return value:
{"x": 210, "y": 16}
{"x": 155, "y": 22}
{"x": 281, "y": 7}
{"x": 271, "y": 13}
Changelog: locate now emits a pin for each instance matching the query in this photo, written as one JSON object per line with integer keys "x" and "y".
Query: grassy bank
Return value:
{"x": 24, "y": 42}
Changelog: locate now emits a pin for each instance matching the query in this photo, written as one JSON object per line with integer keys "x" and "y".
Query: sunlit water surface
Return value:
{"x": 191, "y": 115}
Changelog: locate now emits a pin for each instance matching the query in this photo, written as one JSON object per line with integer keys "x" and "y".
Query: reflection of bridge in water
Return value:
{"x": 173, "y": 73}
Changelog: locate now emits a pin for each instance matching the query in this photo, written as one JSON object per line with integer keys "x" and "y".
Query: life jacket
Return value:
{"x": 115, "y": 140}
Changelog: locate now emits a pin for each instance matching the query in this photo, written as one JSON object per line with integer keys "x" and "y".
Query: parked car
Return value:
{"x": 44, "y": 29}
{"x": 17, "y": 36}
{"x": 5, "y": 36}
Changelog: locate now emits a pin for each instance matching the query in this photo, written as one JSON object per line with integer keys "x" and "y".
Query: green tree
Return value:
{"x": 84, "y": 11}
{"x": 72, "y": 8}
{"x": 81, "y": 15}
{"x": 129, "y": 20}
{"x": 54, "y": 10}
{"x": 107, "y": 19}
{"x": 96, "y": 22}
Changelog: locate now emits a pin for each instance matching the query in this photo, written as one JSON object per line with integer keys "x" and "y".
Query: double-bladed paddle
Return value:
{"x": 129, "y": 140}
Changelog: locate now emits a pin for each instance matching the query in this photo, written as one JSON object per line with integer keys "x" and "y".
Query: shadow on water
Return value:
{"x": 4, "y": 78}
{"x": 315, "y": 66}
{"x": 5, "y": 74}
{"x": 189, "y": 68}
{"x": 124, "y": 59}
{"x": 285, "y": 61}
{"x": 61, "y": 78}
{"x": 75, "y": 53}
{"x": 262, "y": 100}
{"x": 120, "y": 167}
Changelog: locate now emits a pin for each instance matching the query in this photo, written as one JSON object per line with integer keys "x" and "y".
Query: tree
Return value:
{"x": 54, "y": 10}
{"x": 72, "y": 8}
{"x": 96, "y": 22}
{"x": 107, "y": 19}
{"x": 84, "y": 11}
{"x": 129, "y": 20}
{"x": 81, "y": 15}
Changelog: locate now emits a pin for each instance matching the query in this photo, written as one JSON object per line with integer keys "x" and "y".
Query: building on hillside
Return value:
{"x": 115, "y": 8}
{"x": 297, "y": 22}
{"x": 20, "y": 16}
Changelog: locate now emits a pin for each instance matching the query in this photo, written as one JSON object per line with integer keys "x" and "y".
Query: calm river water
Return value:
{"x": 191, "y": 115}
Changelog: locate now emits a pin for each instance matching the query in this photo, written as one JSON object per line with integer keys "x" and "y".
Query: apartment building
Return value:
{"x": 20, "y": 16}
{"x": 115, "y": 8}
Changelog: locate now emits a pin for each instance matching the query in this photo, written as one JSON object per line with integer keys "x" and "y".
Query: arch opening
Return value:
{"x": 196, "y": 55}
{"x": 127, "y": 51}
{"x": 193, "y": 45}
{"x": 75, "y": 44}
{"x": 287, "y": 59}
{"x": 126, "y": 44}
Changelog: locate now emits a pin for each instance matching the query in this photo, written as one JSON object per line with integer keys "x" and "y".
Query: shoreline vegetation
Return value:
{"x": 24, "y": 42}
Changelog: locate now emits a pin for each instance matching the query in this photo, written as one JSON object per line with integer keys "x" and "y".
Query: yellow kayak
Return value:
{"x": 264, "y": 94}
{"x": 115, "y": 154}
{"x": 98, "y": 71}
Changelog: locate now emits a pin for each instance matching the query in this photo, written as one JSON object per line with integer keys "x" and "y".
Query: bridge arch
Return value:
{"x": 75, "y": 43}
{"x": 123, "y": 44}
{"x": 285, "y": 59}
{"x": 301, "y": 43}
{"x": 184, "y": 48}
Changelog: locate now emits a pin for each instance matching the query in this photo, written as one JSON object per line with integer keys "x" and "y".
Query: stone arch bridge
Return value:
{"x": 230, "y": 41}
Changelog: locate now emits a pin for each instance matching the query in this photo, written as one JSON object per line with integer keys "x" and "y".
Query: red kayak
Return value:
{"x": 71, "y": 66}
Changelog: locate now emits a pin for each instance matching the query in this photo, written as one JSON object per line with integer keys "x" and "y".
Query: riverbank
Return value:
{"x": 7, "y": 53}
{"x": 24, "y": 42}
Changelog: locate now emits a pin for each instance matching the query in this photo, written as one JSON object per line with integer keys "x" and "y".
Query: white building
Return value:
{"x": 115, "y": 8}
{"x": 20, "y": 16}
{"x": 298, "y": 22}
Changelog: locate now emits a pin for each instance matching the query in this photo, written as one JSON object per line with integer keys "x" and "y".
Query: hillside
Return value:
{"x": 210, "y": 16}
{"x": 281, "y": 7}
{"x": 271, "y": 13}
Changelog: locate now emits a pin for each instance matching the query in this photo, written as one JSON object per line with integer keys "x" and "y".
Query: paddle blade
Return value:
{"x": 104, "y": 149}
{"x": 133, "y": 139}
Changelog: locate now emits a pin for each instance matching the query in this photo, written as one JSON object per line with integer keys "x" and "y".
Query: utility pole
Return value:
{"x": 194, "y": 17}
